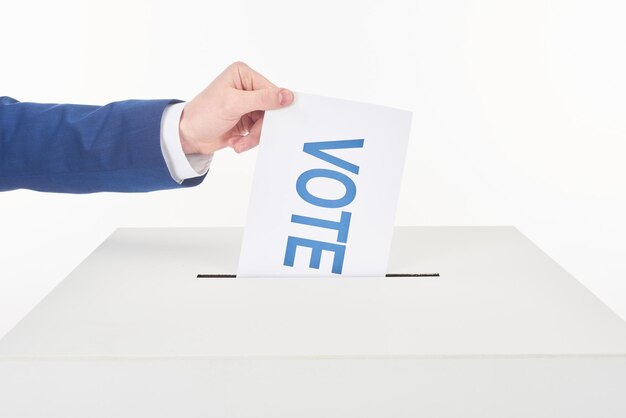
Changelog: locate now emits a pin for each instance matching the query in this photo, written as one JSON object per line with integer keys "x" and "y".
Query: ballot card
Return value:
{"x": 325, "y": 190}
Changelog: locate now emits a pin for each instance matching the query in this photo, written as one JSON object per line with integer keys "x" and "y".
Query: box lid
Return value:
{"x": 137, "y": 295}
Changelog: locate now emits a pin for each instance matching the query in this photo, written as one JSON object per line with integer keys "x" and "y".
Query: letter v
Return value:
{"x": 315, "y": 149}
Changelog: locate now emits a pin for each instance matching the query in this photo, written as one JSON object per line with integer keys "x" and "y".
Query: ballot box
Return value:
{"x": 474, "y": 322}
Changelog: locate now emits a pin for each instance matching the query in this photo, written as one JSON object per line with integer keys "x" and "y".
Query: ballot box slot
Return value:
{"x": 394, "y": 275}
{"x": 412, "y": 275}
{"x": 216, "y": 276}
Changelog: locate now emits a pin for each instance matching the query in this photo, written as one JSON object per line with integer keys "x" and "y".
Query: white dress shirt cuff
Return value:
{"x": 180, "y": 166}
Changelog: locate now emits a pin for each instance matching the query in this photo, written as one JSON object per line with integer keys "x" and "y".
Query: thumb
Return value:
{"x": 263, "y": 99}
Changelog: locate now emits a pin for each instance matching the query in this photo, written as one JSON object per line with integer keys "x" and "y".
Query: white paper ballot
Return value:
{"x": 325, "y": 190}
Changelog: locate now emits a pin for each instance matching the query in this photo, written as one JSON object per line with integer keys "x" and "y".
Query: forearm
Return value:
{"x": 83, "y": 149}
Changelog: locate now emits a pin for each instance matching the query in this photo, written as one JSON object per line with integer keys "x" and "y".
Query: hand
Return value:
{"x": 229, "y": 112}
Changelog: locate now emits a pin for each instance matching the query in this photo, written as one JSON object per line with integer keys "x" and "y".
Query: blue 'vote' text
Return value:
{"x": 342, "y": 225}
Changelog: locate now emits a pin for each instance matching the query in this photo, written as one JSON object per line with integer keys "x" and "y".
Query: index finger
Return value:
{"x": 245, "y": 78}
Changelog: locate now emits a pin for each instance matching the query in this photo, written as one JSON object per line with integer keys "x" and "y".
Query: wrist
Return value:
{"x": 189, "y": 146}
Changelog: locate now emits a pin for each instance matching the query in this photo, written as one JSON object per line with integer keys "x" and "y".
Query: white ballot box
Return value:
{"x": 502, "y": 331}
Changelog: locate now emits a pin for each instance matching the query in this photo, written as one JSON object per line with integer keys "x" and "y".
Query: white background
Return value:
{"x": 519, "y": 114}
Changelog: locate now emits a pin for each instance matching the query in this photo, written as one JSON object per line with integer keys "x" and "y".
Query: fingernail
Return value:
{"x": 285, "y": 97}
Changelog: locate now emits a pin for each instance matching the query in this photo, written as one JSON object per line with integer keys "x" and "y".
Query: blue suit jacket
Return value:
{"x": 84, "y": 149}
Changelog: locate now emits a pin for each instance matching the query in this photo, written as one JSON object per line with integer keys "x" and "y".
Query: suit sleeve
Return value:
{"x": 84, "y": 149}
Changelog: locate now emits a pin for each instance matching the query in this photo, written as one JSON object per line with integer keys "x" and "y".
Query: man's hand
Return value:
{"x": 229, "y": 112}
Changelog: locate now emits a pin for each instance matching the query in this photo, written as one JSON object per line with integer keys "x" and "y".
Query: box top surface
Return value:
{"x": 137, "y": 295}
